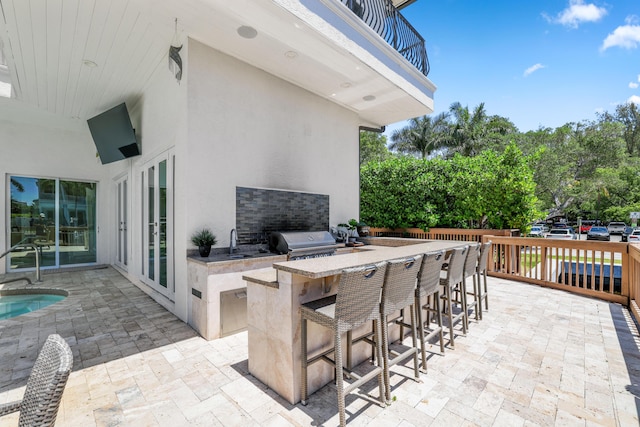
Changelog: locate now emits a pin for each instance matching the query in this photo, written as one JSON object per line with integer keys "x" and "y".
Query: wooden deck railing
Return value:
{"x": 606, "y": 270}
{"x": 441, "y": 233}
{"x": 596, "y": 269}
{"x": 634, "y": 280}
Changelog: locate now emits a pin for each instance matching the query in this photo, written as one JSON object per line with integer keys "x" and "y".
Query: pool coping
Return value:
{"x": 33, "y": 291}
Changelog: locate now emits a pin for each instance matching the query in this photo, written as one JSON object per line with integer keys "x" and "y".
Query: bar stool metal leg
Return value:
{"x": 427, "y": 300}
{"x": 398, "y": 292}
{"x": 454, "y": 281}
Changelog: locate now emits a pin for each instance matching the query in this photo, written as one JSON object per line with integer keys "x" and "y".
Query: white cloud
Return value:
{"x": 579, "y": 12}
{"x": 633, "y": 85}
{"x": 639, "y": 77}
{"x": 626, "y": 36}
{"x": 533, "y": 69}
{"x": 635, "y": 99}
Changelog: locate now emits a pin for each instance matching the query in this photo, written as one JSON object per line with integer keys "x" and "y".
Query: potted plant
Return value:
{"x": 203, "y": 239}
{"x": 352, "y": 227}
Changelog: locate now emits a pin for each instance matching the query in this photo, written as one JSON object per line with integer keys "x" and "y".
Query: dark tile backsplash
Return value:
{"x": 260, "y": 211}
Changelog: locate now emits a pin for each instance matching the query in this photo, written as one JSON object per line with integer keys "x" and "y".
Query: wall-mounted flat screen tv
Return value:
{"x": 113, "y": 134}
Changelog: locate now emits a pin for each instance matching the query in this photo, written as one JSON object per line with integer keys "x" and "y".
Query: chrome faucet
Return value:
{"x": 233, "y": 241}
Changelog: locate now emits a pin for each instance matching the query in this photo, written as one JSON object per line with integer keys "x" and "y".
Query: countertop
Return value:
{"x": 316, "y": 268}
{"x": 235, "y": 257}
{"x": 248, "y": 254}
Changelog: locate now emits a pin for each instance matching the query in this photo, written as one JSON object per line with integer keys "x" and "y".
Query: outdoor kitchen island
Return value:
{"x": 274, "y": 297}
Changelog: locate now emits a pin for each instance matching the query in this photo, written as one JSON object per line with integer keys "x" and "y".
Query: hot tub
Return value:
{"x": 16, "y": 302}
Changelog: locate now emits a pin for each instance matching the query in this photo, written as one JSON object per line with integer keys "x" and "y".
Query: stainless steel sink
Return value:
{"x": 239, "y": 256}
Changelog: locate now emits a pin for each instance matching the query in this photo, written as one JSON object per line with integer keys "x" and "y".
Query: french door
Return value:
{"x": 157, "y": 219}
{"x": 122, "y": 225}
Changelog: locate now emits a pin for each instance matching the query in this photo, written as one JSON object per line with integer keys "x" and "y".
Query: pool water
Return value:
{"x": 15, "y": 305}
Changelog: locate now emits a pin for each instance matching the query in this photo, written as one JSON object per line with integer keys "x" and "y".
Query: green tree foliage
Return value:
{"x": 500, "y": 132}
{"x": 489, "y": 190}
{"x": 392, "y": 194}
{"x": 512, "y": 198}
{"x": 568, "y": 161}
{"x": 588, "y": 169}
{"x": 620, "y": 213}
{"x": 373, "y": 147}
{"x": 468, "y": 130}
{"x": 628, "y": 116}
{"x": 424, "y": 136}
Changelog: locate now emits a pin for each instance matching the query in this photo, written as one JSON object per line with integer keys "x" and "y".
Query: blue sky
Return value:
{"x": 540, "y": 63}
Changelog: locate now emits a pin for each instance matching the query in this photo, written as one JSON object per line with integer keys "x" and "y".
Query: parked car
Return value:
{"x": 586, "y": 225}
{"x": 628, "y": 230}
{"x": 598, "y": 233}
{"x": 562, "y": 233}
{"x": 544, "y": 226}
{"x": 634, "y": 237}
{"x": 536, "y": 231}
{"x": 615, "y": 227}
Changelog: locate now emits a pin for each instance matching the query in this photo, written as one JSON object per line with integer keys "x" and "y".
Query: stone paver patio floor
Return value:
{"x": 539, "y": 357}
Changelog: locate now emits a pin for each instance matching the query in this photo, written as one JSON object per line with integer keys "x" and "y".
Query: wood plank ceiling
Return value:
{"x": 74, "y": 57}
{"x": 77, "y": 58}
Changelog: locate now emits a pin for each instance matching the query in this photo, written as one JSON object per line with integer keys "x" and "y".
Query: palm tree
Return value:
{"x": 423, "y": 136}
{"x": 469, "y": 130}
{"x": 17, "y": 184}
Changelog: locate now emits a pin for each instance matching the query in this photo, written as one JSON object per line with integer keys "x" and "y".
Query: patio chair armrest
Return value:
{"x": 9, "y": 408}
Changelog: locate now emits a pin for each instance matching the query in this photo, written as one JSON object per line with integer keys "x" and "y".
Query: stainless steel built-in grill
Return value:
{"x": 303, "y": 244}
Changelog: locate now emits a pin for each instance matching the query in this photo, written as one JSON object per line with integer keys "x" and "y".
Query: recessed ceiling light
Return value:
{"x": 247, "y": 32}
{"x": 368, "y": 98}
{"x": 345, "y": 85}
{"x": 89, "y": 63}
{"x": 291, "y": 54}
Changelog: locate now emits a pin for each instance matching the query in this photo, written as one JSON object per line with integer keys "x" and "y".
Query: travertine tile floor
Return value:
{"x": 540, "y": 357}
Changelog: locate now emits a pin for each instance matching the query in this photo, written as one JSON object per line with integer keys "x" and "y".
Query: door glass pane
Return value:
{"x": 125, "y": 220}
{"x": 151, "y": 226}
{"x": 59, "y": 217}
{"x": 119, "y": 213}
{"x": 32, "y": 220}
{"x": 162, "y": 196}
{"x": 122, "y": 212}
{"x": 77, "y": 222}
{"x": 143, "y": 229}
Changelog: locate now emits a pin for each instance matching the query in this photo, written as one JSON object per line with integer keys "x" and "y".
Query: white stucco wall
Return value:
{"x": 39, "y": 144}
{"x": 229, "y": 124}
{"x": 249, "y": 128}
{"x": 160, "y": 121}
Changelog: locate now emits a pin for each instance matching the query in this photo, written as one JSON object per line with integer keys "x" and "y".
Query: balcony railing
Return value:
{"x": 389, "y": 23}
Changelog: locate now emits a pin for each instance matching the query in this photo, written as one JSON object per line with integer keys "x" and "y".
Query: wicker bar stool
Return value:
{"x": 452, "y": 282}
{"x": 481, "y": 272}
{"x": 357, "y": 302}
{"x": 427, "y": 299}
{"x": 470, "y": 269}
{"x": 398, "y": 293}
{"x": 46, "y": 383}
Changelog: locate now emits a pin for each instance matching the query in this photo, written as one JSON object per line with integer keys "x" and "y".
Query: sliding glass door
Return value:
{"x": 57, "y": 216}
